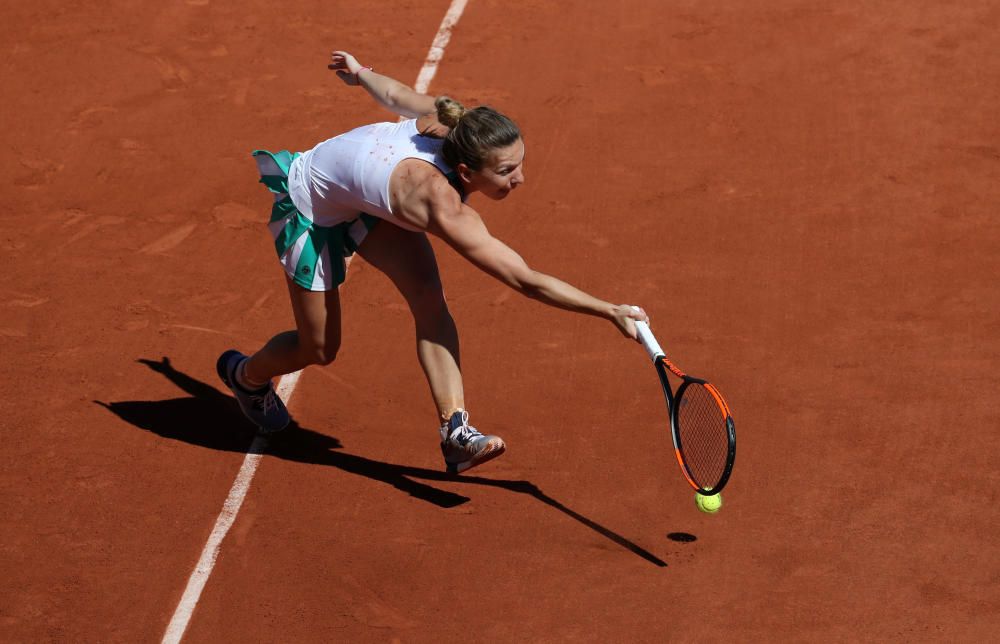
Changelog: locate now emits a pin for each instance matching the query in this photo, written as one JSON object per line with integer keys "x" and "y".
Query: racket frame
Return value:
{"x": 663, "y": 366}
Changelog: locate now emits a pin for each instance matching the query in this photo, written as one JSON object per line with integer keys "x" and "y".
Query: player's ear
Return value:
{"x": 464, "y": 173}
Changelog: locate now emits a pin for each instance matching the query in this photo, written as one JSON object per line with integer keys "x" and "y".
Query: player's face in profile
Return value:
{"x": 502, "y": 172}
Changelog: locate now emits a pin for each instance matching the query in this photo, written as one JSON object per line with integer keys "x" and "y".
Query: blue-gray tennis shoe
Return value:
{"x": 263, "y": 406}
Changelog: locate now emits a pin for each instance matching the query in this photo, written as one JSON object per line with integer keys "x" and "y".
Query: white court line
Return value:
{"x": 436, "y": 52}
{"x": 196, "y": 582}
{"x": 231, "y": 507}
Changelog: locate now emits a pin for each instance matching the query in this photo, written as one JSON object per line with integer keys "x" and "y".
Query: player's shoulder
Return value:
{"x": 433, "y": 186}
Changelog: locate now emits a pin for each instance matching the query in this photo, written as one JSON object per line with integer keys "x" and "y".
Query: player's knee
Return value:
{"x": 327, "y": 353}
{"x": 326, "y": 356}
{"x": 322, "y": 352}
{"x": 427, "y": 302}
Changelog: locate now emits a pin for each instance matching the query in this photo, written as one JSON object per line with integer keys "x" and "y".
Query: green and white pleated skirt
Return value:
{"x": 313, "y": 255}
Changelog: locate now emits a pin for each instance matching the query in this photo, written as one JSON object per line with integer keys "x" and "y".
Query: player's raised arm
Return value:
{"x": 388, "y": 92}
{"x": 463, "y": 229}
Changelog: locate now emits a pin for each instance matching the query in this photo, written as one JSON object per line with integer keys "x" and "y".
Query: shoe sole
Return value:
{"x": 488, "y": 454}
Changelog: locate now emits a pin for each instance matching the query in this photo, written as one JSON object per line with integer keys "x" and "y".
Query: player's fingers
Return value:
{"x": 632, "y": 331}
{"x": 342, "y": 58}
{"x": 638, "y": 313}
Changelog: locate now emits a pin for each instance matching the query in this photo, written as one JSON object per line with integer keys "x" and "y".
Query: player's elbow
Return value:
{"x": 390, "y": 98}
{"x": 529, "y": 284}
{"x": 401, "y": 99}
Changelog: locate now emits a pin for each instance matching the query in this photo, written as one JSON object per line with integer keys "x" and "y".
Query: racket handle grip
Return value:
{"x": 648, "y": 341}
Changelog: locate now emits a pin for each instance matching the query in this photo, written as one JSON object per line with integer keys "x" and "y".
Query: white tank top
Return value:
{"x": 349, "y": 174}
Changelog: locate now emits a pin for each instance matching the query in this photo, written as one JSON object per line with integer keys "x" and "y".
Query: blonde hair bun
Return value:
{"x": 449, "y": 111}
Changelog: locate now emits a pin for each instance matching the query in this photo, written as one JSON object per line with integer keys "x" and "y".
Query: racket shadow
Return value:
{"x": 211, "y": 419}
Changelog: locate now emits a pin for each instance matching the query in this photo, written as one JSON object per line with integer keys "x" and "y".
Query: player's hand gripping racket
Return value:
{"x": 701, "y": 426}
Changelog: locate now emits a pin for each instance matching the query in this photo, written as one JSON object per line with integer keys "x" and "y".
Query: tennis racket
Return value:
{"x": 701, "y": 426}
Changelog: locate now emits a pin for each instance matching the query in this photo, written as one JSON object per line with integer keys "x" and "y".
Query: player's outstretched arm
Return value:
{"x": 463, "y": 229}
{"x": 388, "y": 92}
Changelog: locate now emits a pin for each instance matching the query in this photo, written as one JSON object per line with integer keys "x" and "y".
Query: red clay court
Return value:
{"x": 803, "y": 197}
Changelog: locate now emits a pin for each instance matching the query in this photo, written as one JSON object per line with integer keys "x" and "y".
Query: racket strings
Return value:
{"x": 704, "y": 435}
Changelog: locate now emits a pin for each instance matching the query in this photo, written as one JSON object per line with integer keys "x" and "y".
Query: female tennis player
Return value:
{"x": 378, "y": 190}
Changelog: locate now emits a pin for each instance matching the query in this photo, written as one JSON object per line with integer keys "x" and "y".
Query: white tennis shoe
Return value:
{"x": 464, "y": 446}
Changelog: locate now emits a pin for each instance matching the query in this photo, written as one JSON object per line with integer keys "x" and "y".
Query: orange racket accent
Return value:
{"x": 718, "y": 398}
{"x": 684, "y": 469}
{"x": 673, "y": 368}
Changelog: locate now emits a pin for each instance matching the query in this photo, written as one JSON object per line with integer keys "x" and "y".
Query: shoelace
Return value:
{"x": 464, "y": 432}
{"x": 265, "y": 401}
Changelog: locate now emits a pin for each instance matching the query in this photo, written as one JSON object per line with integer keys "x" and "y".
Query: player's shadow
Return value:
{"x": 212, "y": 419}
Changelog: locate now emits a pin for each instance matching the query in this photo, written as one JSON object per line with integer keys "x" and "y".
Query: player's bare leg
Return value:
{"x": 408, "y": 260}
{"x": 315, "y": 340}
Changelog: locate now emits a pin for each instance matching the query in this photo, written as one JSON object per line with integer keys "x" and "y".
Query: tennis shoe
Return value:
{"x": 263, "y": 406}
{"x": 464, "y": 446}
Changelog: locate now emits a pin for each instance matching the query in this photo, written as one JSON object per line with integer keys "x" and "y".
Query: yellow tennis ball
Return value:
{"x": 708, "y": 504}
